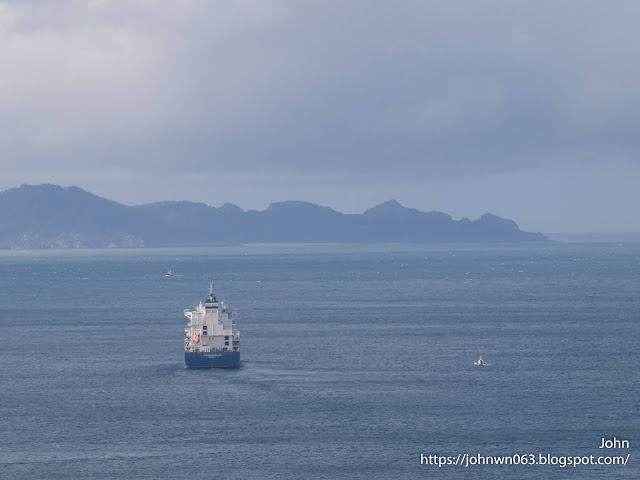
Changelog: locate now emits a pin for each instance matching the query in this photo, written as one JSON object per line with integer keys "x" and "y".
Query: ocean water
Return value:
{"x": 355, "y": 361}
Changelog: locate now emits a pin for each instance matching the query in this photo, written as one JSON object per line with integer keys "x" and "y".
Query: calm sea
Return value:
{"x": 355, "y": 360}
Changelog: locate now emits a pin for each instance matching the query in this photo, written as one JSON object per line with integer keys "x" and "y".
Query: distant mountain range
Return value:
{"x": 49, "y": 216}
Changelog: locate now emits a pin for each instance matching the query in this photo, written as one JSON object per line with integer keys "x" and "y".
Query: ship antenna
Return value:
{"x": 211, "y": 291}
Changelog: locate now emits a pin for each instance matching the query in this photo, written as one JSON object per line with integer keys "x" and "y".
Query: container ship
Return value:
{"x": 211, "y": 340}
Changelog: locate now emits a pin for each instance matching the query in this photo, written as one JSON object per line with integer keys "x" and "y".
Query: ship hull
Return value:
{"x": 212, "y": 359}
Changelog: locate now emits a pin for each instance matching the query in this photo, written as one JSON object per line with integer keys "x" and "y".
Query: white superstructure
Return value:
{"x": 211, "y": 327}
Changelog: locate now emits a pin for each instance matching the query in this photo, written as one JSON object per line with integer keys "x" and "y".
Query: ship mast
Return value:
{"x": 211, "y": 297}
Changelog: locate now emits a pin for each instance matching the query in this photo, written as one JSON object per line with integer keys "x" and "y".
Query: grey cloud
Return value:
{"x": 409, "y": 88}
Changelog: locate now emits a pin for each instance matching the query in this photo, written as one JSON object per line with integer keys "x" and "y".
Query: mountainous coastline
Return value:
{"x": 50, "y": 216}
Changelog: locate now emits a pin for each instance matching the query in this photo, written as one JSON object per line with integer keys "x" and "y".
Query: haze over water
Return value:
{"x": 355, "y": 360}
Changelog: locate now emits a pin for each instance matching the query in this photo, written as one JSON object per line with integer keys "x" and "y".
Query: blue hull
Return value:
{"x": 212, "y": 359}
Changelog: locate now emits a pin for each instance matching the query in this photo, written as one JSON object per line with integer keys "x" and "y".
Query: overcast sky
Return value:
{"x": 529, "y": 110}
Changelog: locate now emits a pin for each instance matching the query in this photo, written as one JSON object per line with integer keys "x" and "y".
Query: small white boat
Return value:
{"x": 168, "y": 274}
{"x": 480, "y": 362}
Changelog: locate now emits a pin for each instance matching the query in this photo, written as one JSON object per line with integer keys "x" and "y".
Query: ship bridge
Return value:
{"x": 211, "y": 327}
